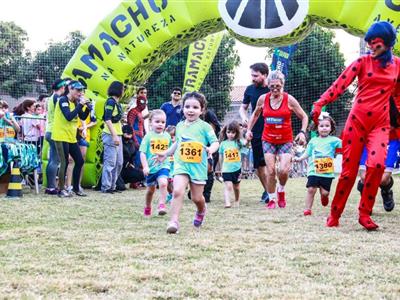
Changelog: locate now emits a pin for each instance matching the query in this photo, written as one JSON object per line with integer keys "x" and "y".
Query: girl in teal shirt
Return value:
{"x": 230, "y": 160}
{"x": 154, "y": 142}
{"x": 320, "y": 152}
{"x": 190, "y": 158}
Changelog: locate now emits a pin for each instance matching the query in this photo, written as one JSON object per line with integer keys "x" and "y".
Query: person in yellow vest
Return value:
{"x": 83, "y": 138}
{"x": 58, "y": 88}
{"x": 112, "y": 138}
{"x": 65, "y": 125}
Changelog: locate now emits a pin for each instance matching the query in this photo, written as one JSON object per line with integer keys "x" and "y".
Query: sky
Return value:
{"x": 42, "y": 24}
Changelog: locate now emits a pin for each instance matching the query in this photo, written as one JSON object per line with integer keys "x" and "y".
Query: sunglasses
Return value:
{"x": 275, "y": 87}
{"x": 176, "y": 93}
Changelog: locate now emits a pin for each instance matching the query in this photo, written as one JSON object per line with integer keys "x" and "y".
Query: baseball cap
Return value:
{"x": 76, "y": 85}
{"x": 58, "y": 83}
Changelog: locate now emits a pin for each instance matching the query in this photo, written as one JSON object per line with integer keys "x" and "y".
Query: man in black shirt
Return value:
{"x": 259, "y": 73}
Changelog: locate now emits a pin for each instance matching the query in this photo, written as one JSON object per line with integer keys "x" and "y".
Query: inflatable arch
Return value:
{"x": 138, "y": 36}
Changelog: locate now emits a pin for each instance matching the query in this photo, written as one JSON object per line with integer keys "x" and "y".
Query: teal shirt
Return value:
{"x": 190, "y": 156}
{"x": 152, "y": 144}
{"x": 322, "y": 151}
{"x": 231, "y": 156}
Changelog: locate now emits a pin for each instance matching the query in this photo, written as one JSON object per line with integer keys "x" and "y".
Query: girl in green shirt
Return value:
{"x": 190, "y": 158}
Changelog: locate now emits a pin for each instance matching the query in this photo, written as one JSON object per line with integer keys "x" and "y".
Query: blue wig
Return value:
{"x": 387, "y": 33}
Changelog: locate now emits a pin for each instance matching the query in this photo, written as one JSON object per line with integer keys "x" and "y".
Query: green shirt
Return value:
{"x": 231, "y": 156}
{"x": 321, "y": 152}
{"x": 152, "y": 144}
{"x": 190, "y": 156}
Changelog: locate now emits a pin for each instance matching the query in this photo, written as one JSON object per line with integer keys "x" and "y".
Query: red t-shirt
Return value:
{"x": 277, "y": 122}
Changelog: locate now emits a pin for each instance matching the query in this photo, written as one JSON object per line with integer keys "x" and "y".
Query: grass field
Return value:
{"x": 102, "y": 247}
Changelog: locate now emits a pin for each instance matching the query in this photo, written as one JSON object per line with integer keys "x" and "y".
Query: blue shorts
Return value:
{"x": 391, "y": 158}
{"x": 151, "y": 179}
{"x": 83, "y": 143}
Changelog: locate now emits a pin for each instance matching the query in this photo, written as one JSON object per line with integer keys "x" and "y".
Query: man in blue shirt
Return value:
{"x": 173, "y": 108}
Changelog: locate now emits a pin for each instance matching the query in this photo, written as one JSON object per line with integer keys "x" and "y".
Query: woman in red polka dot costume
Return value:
{"x": 368, "y": 124}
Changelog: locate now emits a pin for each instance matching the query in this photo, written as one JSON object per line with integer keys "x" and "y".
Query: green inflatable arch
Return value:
{"x": 138, "y": 36}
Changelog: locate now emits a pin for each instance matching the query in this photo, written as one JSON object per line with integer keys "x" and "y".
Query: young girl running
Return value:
{"x": 230, "y": 160}
{"x": 320, "y": 153}
{"x": 190, "y": 158}
{"x": 154, "y": 142}
{"x": 171, "y": 131}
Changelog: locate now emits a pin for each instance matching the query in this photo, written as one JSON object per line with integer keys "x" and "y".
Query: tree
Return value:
{"x": 50, "y": 63}
{"x": 16, "y": 74}
{"x": 217, "y": 84}
{"x": 315, "y": 65}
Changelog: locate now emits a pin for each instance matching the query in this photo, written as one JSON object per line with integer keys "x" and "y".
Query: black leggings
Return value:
{"x": 64, "y": 149}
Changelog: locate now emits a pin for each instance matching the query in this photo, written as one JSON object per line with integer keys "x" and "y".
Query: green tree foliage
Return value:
{"x": 50, "y": 63}
{"x": 16, "y": 74}
{"x": 315, "y": 65}
{"x": 217, "y": 84}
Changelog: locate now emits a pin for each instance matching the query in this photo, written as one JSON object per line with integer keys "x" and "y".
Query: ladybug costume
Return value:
{"x": 368, "y": 122}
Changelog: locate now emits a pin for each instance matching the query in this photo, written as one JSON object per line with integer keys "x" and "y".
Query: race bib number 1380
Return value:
{"x": 191, "y": 152}
{"x": 323, "y": 165}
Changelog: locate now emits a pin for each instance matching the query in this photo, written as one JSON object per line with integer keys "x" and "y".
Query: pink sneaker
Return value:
{"x": 173, "y": 227}
{"x": 147, "y": 211}
{"x": 271, "y": 204}
{"x": 199, "y": 218}
{"x": 307, "y": 212}
{"x": 162, "y": 210}
{"x": 281, "y": 200}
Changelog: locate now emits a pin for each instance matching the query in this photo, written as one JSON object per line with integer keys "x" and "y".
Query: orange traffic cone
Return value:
{"x": 15, "y": 186}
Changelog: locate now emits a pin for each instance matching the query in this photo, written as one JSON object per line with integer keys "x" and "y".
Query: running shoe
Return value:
{"x": 281, "y": 200}
{"x": 271, "y": 204}
{"x": 162, "y": 210}
{"x": 199, "y": 218}
{"x": 173, "y": 227}
{"x": 147, "y": 211}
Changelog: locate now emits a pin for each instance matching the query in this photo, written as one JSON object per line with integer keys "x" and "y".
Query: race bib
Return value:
{"x": 231, "y": 155}
{"x": 323, "y": 165}
{"x": 158, "y": 145}
{"x": 10, "y": 132}
{"x": 191, "y": 152}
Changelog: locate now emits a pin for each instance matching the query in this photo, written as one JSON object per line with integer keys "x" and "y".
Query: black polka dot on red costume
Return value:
{"x": 369, "y": 74}
{"x": 370, "y": 197}
{"x": 378, "y": 166}
{"x": 341, "y": 192}
{"x": 367, "y": 184}
{"x": 350, "y": 128}
{"x": 369, "y": 114}
{"x": 336, "y": 85}
{"x": 359, "y": 60}
{"x": 384, "y": 108}
{"x": 347, "y": 160}
{"x": 382, "y": 91}
{"x": 335, "y": 207}
{"x": 343, "y": 87}
{"x": 362, "y": 205}
{"x": 343, "y": 76}
{"x": 383, "y": 129}
{"x": 331, "y": 94}
{"x": 353, "y": 117}
{"x": 383, "y": 145}
{"x": 361, "y": 139}
{"x": 360, "y": 87}
{"x": 359, "y": 100}
{"x": 349, "y": 142}
{"x": 354, "y": 69}
{"x": 373, "y": 153}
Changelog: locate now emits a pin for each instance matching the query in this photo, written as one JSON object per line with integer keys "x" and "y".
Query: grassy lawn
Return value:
{"x": 102, "y": 247}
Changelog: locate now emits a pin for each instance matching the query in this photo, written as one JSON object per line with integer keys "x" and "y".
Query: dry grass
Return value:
{"x": 102, "y": 247}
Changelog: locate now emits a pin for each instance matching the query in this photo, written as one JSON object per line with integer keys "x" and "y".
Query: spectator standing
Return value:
{"x": 173, "y": 108}
{"x": 58, "y": 88}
